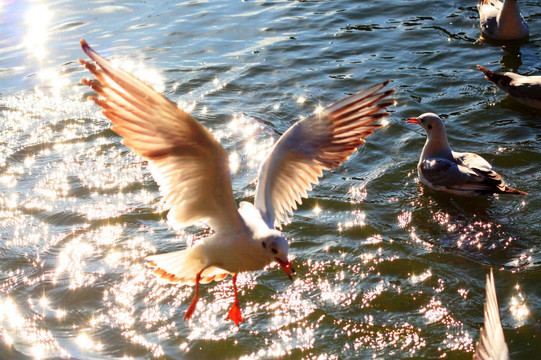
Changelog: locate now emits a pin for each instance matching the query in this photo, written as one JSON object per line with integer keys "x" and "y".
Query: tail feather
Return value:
{"x": 182, "y": 267}
{"x": 510, "y": 190}
{"x": 496, "y": 78}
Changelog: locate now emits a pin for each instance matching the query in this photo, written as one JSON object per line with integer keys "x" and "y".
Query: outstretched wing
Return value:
{"x": 189, "y": 165}
{"x": 491, "y": 345}
{"x": 321, "y": 142}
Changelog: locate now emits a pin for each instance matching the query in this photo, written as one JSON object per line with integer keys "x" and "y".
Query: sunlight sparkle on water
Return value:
{"x": 459, "y": 342}
{"x": 71, "y": 262}
{"x": 84, "y": 341}
{"x": 37, "y": 20}
{"x": 404, "y": 219}
{"x": 435, "y": 312}
{"x": 420, "y": 278}
{"x": 54, "y": 79}
{"x": 60, "y": 313}
{"x": 358, "y": 193}
{"x": 7, "y": 338}
{"x": 44, "y": 302}
{"x": 518, "y": 306}
{"x": 234, "y": 162}
{"x": 144, "y": 73}
{"x": 241, "y": 124}
{"x": 404, "y": 337}
{"x": 358, "y": 220}
{"x": 39, "y": 340}
{"x": 187, "y": 107}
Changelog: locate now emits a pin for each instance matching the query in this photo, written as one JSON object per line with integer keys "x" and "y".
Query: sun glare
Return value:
{"x": 37, "y": 20}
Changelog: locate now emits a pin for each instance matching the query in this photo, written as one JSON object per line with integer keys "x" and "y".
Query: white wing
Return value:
{"x": 491, "y": 345}
{"x": 320, "y": 142}
{"x": 189, "y": 165}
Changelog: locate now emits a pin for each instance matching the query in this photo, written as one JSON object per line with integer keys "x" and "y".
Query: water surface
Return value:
{"x": 387, "y": 269}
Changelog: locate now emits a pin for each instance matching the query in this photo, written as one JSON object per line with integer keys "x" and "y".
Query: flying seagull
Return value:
{"x": 441, "y": 168}
{"x": 192, "y": 171}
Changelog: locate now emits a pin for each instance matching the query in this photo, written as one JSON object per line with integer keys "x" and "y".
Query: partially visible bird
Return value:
{"x": 524, "y": 89}
{"x": 502, "y": 21}
{"x": 491, "y": 344}
{"x": 442, "y": 169}
{"x": 192, "y": 171}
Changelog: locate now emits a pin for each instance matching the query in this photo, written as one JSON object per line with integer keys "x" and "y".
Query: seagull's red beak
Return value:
{"x": 413, "y": 120}
{"x": 286, "y": 266}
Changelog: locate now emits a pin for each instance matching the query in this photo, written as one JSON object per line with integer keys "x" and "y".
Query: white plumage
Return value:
{"x": 502, "y": 20}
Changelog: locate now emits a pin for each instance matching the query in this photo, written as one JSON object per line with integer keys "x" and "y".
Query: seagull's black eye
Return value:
{"x": 429, "y": 127}
{"x": 264, "y": 244}
{"x": 274, "y": 251}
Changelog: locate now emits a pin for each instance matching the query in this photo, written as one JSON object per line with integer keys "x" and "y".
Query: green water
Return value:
{"x": 387, "y": 269}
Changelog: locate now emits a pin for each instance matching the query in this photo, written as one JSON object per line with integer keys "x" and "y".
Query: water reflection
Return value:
{"x": 512, "y": 58}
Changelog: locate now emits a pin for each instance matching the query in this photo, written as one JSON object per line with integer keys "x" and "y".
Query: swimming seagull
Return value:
{"x": 524, "y": 89}
{"x": 491, "y": 345}
{"x": 502, "y": 21}
{"x": 440, "y": 168}
{"x": 192, "y": 171}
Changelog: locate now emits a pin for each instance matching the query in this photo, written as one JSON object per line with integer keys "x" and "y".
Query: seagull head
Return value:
{"x": 275, "y": 247}
{"x": 436, "y": 143}
{"x": 431, "y": 122}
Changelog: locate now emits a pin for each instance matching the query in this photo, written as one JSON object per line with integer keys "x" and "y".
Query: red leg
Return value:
{"x": 234, "y": 313}
{"x": 191, "y": 309}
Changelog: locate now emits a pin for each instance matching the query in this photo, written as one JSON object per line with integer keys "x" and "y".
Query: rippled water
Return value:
{"x": 386, "y": 268}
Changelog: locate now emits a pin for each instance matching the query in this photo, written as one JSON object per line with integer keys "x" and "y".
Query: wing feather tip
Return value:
{"x": 86, "y": 48}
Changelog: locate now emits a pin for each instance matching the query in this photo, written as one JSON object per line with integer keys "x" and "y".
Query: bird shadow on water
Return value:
{"x": 469, "y": 227}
